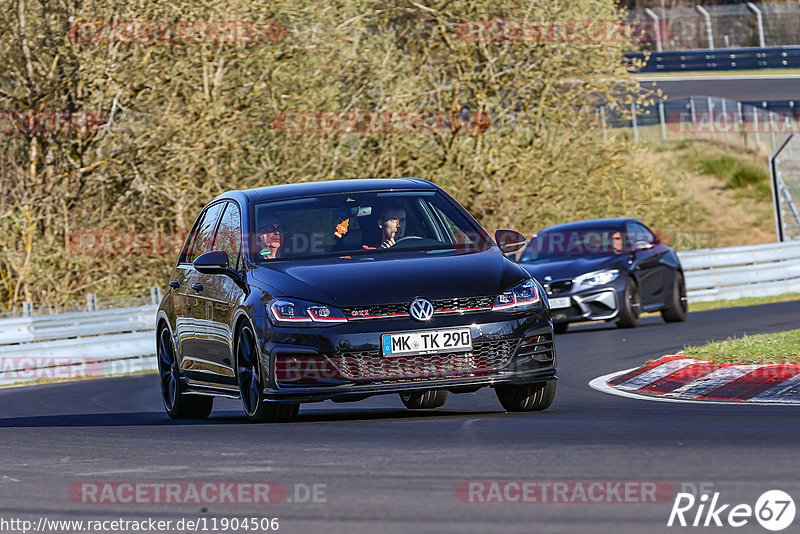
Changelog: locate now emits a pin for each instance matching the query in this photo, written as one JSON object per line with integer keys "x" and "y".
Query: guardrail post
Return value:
{"x": 759, "y": 21}
{"x": 91, "y": 302}
{"x": 635, "y": 129}
{"x": 652, "y": 15}
{"x": 707, "y": 16}
{"x": 155, "y": 295}
{"x": 662, "y": 120}
{"x": 27, "y": 309}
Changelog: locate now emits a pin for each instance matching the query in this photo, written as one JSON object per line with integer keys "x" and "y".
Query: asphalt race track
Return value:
{"x": 387, "y": 469}
{"x": 748, "y": 88}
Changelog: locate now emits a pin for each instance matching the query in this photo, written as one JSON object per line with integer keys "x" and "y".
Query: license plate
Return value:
{"x": 427, "y": 342}
{"x": 560, "y": 302}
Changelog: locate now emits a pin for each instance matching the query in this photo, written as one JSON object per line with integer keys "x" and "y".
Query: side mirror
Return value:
{"x": 641, "y": 245}
{"x": 214, "y": 262}
{"x": 509, "y": 240}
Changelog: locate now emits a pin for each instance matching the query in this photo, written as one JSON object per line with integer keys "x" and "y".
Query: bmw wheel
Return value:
{"x": 630, "y": 307}
{"x": 179, "y": 404}
{"x": 675, "y": 310}
{"x": 251, "y": 384}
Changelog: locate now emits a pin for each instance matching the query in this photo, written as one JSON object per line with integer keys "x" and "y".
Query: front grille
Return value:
{"x": 485, "y": 357}
{"x": 441, "y": 306}
{"x": 558, "y": 286}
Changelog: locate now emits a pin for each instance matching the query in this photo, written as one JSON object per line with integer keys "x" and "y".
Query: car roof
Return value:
{"x": 307, "y": 189}
{"x": 590, "y": 224}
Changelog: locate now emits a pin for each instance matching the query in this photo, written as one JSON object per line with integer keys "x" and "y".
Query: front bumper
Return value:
{"x": 595, "y": 304}
{"x": 507, "y": 349}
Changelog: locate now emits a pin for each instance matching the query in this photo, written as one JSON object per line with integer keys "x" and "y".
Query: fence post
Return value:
{"x": 710, "y": 108}
{"x": 756, "y": 126}
{"x": 27, "y": 309}
{"x": 759, "y": 22}
{"x": 740, "y": 118}
{"x": 155, "y": 295}
{"x": 707, "y": 16}
{"x": 771, "y": 126}
{"x": 725, "y": 114}
{"x": 635, "y": 129}
{"x": 693, "y": 115}
{"x": 652, "y": 15}
{"x": 662, "y": 120}
{"x": 91, "y": 302}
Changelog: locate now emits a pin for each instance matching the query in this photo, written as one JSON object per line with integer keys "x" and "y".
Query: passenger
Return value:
{"x": 270, "y": 238}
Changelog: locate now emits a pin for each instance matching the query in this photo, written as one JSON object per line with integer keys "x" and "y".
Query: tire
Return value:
{"x": 251, "y": 384}
{"x": 177, "y": 402}
{"x": 527, "y": 398}
{"x": 424, "y": 400}
{"x": 631, "y": 306}
{"x": 675, "y": 310}
{"x": 560, "y": 328}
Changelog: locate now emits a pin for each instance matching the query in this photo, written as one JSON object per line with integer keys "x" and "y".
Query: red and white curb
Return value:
{"x": 676, "y": 378}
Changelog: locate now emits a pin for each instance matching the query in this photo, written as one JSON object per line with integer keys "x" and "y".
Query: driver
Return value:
{"x": 392, "y": 222}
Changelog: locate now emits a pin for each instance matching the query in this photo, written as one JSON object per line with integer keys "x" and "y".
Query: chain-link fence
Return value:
{"x": 705, "y": 117}
{"x": 723, "y": 26}
{"x": 785, "y": 171}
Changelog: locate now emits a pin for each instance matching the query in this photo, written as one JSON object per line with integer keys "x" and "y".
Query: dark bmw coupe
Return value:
{"x": 606, "y": 270}
{"x": 341, "y": 290}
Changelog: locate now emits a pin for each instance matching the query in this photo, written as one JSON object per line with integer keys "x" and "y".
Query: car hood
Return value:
{"x": 569, "y": 268}
{"x": 388, "y": 278}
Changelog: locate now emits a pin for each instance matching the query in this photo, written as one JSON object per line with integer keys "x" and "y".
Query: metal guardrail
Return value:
{"x": 772, "y": 57}
{"x": 734, "y": 272}
{"x": 102, "y": 343}
{"x": 77, "y": 345}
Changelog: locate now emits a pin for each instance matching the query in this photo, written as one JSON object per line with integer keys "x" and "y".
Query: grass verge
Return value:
{"x": 72, "y": 379}
{"x": 745, "y": 301}
{"x": 779, "y": 348}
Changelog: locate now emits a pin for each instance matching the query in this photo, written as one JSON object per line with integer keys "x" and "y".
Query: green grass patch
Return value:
{"x": 745, "y": 301}
{"x": 738, "y": 173}
{"x": 779, "y": 348}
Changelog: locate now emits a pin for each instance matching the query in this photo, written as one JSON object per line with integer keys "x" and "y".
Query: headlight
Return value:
{"x": 596, "y": 278}
{"x": 296, "y": 312}
{"x": 524, "y": 296}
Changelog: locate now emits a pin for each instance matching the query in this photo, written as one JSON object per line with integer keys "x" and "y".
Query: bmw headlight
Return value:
{"x": 295, "y": 312}
{"x": 595, "y": 278}
{"x": 524, "y": 296}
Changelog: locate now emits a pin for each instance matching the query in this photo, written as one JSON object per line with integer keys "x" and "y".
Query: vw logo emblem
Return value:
{"x": 421, "y": 309}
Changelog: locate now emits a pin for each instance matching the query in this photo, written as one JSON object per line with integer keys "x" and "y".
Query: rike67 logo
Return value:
{"x": 774, "y": 510}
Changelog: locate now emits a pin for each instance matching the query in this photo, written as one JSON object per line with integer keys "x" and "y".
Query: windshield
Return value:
{"x": 360, "y": 223}
{"x": 557, "y": 244}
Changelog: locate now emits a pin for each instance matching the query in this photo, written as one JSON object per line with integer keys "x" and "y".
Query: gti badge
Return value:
{"x": 421, "y": 309}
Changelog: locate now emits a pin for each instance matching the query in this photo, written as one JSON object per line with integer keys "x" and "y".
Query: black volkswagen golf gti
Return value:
{"x": 341, "y": 290}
